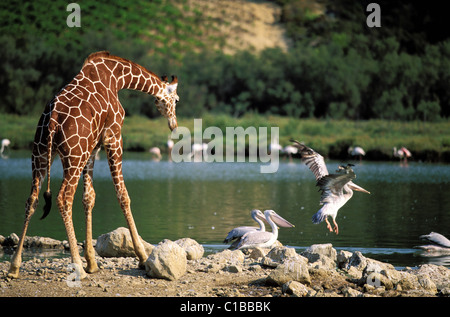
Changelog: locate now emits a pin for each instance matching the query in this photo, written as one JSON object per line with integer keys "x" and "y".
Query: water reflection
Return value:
{"x": 436, "y": 258}
{"x": 206, "y": 200}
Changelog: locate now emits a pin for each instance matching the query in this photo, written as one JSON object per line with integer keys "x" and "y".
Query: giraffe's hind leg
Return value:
{"x": 30, "y": 208}
{"x": 113, "y": 147}
{"x": 88, "y": 203}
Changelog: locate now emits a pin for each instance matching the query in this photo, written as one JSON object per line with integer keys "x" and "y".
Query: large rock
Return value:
{"x": 320, "y": 249}
{"x": 43, "y": 243}
{"x": 281, "y": 254}
{"x": 343, "y": 258}
{"x": 321, "y": 256}
{"x": 385, "y": 269}
{"x": 167, "y": 260}
{"x": 438, "y": 275}
{"x": 257, "y": 253}
{"x": 375, "y": 274}
{"x": 194, "y": 250}
{"x": 291, "y": 269}
{"x": 32, "y": 242}
{"x": 357, "y": 261}
{"x": 295, "y": 288}
{"x": 227, "y": 256}
{"x": 11, "y": 240}
{"x": 226, "y": 260}
{"x": 118, "y": 243}
{"x": 294, "y": 271}
{"x": 371, "y": 272}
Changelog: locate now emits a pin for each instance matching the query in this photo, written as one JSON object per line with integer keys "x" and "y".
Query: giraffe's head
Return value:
{"x": 166, "y": 101}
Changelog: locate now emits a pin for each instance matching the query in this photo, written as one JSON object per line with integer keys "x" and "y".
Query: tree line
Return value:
{"x": 336, "y": 68}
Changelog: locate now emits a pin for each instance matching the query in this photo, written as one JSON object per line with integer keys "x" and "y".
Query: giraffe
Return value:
{"x": 85, "y": 114}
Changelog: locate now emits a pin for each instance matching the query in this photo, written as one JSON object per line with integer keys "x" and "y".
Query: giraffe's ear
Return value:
{"x": 173, "y": 85}
{"x": 171, "y": 88}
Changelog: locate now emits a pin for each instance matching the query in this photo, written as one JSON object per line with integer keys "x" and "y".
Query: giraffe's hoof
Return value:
{"x": 13, "y": 273}
{"x": 83, "y": 275}
{"x": 92, "y": 270}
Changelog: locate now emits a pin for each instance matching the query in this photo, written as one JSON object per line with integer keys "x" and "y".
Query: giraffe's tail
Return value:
{"x": 48, "y": 193}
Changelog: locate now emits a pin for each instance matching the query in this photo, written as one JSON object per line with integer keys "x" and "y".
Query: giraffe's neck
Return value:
{"x": 135, "y": 77}
{"x": 116, "y": 73}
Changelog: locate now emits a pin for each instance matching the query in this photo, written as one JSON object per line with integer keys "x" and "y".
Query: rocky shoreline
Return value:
{"x": 180, "y": 269}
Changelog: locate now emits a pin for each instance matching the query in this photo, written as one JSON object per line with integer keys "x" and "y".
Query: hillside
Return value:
{"x": 242, "y": 25}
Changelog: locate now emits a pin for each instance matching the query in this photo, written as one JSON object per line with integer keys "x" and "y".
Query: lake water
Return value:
{"x": 204, "y": 201}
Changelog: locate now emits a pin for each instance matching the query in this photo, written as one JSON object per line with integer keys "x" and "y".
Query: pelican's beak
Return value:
{"x": 280, "y": 221}
{"x": 358, "y": 188}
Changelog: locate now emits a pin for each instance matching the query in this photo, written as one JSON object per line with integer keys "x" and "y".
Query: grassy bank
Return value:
{"x": 427, "y": 141}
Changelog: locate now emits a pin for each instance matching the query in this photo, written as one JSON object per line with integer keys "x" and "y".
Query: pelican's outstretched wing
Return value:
{"x": 312, "y": 159}
{"x": 331, "y": 185}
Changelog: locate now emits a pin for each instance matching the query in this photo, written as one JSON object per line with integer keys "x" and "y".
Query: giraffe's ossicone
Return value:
{"x": 84, "y": 115}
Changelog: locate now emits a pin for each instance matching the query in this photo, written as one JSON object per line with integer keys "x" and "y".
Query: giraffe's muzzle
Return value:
{"x": 173, "y": 124}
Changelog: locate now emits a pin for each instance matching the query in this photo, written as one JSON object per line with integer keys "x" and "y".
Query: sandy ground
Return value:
{"x": 44, "y": 284}
{"x": 120, "y": 277}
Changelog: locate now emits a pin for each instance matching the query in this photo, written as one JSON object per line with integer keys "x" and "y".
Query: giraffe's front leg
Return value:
{"x": 65, "y": 201}
{"x": 113, "y": 147}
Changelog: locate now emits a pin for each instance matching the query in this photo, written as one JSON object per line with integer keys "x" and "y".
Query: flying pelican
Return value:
{"x": 336, "y": 189}
{"x": 356, "y": 151}
{"x": 237, "y": 233}
{"x": 402, "y": 153}
{"x": 439, "y": 243}
{"x": 264, "y": 239}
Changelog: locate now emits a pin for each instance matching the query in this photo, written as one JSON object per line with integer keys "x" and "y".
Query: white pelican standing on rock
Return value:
{"x": 336, "y": 189}
{"x": 237, "y": 233}
{"x": 264, "y": 239}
